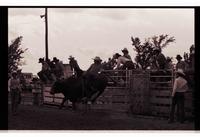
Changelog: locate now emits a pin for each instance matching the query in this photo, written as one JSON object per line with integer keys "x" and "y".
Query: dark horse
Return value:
{"x": 79, "y": 88}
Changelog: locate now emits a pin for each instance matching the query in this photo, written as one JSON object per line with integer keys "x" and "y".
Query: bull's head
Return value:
{"x": 55, "y": 88}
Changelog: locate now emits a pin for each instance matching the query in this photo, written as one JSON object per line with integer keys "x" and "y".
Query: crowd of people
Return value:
{"x": 54, "y": 70}
{"x": 51, "y": 70}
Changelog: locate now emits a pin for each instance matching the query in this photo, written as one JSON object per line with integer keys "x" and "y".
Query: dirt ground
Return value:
{"x": 51, "y": 118}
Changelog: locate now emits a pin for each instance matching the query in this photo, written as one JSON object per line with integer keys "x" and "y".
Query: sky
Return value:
{"x": 88, "y": 32}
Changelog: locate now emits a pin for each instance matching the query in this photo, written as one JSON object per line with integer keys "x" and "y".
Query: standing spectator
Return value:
{"x": 59, "y": 68}
{"x": 15, "y": 90}
{"x": 179, "y": 88}
{"x": 125, "y": 53}
{"x": 180, "y": 64}
{"x": 36, "y": 90}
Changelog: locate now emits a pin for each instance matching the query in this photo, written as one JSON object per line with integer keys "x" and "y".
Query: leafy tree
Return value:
{"x": 144, "y": 56}
{"x": 15, "y": 54}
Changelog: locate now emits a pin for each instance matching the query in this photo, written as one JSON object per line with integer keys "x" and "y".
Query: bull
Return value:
{"x": 77, "y": 89}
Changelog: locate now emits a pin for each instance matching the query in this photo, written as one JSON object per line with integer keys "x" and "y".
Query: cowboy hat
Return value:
{"x": 97, "y": 58}
{"x": 55, "y": 59}
{"x": 71, "y": 57}
{"x": 40, "y": 60}
{"x": 180, "y": 71}
{"x": 125, "y": 49}
{"x": 178, "y": 57}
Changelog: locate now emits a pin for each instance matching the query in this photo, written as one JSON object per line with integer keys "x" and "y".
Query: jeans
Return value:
{"x": 15, "y": 96}
{"x": 178, "y": 100}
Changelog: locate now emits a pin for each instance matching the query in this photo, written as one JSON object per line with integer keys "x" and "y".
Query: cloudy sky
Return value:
{"x": 88, "y": 32}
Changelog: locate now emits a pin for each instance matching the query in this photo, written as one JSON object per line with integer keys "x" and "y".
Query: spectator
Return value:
{"x": 59, "y": 68}
{"x": 169, "y": 64}
{"x": 192, "y": 56}
{"x": 179, "y": 88}
{"x": 180, "y": 64}
{"x": 96, "y": 67}
{"x": 92, "y": 73}
{"x": 160, "y": 58}
{"x": 125, "y": 62}
{"x": 51, "y": 72}
{"x": 75, "y": 67}
{"x": 36, "y": 90}
{"x": 15, "y": 90}
{"x": 125, "y": 53}
{"x": 43, "y": 74}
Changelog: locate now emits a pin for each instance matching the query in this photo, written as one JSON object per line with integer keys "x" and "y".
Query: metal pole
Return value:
{"x": 46, "y": 33}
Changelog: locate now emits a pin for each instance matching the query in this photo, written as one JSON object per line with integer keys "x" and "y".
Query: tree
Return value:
{"x": 15, "y": 54}
{"x": 144, "y": 56}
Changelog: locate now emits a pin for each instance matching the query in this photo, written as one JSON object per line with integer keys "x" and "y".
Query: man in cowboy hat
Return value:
{"x": 180, "y": 64}
{"x": 125, "y": 53}
{"x": 96, "y": 66}
{"x": 74, "y": 66}
{"x": 160, "y": 58}
{"x": 59, "y": 68}
{"x": 179, "y": 88}
{"x": 45, "y": 70}
{"x": 92, "y": 73}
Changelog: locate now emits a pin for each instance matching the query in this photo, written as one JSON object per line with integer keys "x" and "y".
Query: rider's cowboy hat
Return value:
{"x": 97, "y": 58}
{"x": 125, "y": 49}
{"x": 180, "y": 71}
{"x": 178, "y": 57}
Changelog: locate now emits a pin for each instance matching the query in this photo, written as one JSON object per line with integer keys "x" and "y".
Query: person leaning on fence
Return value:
{"x": 43, "y": 74}
{"x": 93, "y": 71}
{"x": 15, "y": 90}
{"x": 180, "y": 64}
{"x": 125, "y": 53}
{"x": 75, "y": 67}
{"x": 59, "y": 68}
{"x": 179, "y": 88}
{"x": 160, "y": 58}
{"x": 169, "y": 64}
{"x": 125, "y": 62}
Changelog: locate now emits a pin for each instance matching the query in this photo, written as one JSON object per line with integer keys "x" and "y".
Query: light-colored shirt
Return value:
{"x": 122, "y": 60}
{"x": 181, "y": 65}
{"x": 180, "y": 85}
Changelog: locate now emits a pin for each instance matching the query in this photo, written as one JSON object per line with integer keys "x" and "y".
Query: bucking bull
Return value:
{"x": 80, "y": 89}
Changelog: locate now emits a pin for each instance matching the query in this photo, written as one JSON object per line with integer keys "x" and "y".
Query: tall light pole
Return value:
{"x": 46, "y": 32}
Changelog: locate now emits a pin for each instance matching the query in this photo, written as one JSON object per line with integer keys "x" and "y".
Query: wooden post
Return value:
{"x": 46, "y": 33}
